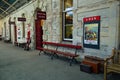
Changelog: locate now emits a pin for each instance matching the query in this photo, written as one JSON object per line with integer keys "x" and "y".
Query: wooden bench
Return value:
{"x": 58, "y": 50}
{"x": 112, "y": 64}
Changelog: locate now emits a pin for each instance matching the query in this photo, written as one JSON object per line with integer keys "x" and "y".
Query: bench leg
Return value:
{"x": 52, "y": 56}
{"x": 105, "y": 76}
{"x": 105, "y": 72}
{"x": 39, "y": 53}
{"x": 56, "y": 55}
{"x": 72, "y": 60}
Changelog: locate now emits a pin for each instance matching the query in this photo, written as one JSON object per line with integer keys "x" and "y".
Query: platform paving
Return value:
{"x": 17, "y": 64}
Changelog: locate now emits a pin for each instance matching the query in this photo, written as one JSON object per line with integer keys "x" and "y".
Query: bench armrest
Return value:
{"x": 107, "y": 60}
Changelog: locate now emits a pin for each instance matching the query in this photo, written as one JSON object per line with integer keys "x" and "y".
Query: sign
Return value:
{"x": 91, "y": 19}
{"x": 41, "y": 15}
{"x": 11, "y": 22}
{"x": 21, "y": 19}
{"x": 91, "y": 32}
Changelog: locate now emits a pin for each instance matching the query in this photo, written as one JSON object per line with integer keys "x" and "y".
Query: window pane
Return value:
{"x": 68, "y": 31}
{"x": 69, "y": 17}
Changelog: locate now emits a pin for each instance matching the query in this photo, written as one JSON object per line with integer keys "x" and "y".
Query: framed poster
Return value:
{"x": 91, "y": 32}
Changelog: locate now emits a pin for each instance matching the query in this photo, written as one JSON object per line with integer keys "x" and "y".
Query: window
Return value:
{"x": 67, "y": 19}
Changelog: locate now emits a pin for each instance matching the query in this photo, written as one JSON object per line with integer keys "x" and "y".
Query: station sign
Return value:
{"x": 41, "y": 15}
{"x": 11, "y": 22}
{"x": 21, "y": 19}
{"x": 91, "y": 19}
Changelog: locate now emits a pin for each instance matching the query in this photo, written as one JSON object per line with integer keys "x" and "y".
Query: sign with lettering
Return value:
{"x": 91, "y": 19}
{"x": 11, "y": 22}
{"x": 91, "y": 32}
{"x": 21, "y": 19}
{"x": 41, "y": 15}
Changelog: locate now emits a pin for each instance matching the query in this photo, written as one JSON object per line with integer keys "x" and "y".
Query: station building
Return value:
{"x": 92, "y": 24}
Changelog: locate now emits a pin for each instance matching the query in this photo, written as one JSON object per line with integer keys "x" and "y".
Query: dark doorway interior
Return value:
{"x": 39, "y": 33}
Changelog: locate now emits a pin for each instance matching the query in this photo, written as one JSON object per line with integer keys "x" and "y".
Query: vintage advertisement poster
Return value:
{"x": 91, "y": 32}
{"x": 19, "y": 32}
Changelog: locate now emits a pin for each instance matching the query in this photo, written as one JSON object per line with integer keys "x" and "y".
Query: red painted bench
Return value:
{"x": 56, "y": 50}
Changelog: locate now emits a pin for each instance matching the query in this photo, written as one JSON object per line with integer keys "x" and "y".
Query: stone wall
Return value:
{"x": 0, "y": 28}
{"x": 108, "y": 11}
{"x": 52, "y": 26}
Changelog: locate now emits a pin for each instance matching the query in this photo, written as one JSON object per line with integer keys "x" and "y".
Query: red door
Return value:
{"x": 15, "y": 31}
{"x": 39, "y": 34}
{"x": 10, "y": 31}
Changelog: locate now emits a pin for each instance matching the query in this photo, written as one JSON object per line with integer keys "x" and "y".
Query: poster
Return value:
{"x": 91, "y": 32}
{"x": 19, "y": 32}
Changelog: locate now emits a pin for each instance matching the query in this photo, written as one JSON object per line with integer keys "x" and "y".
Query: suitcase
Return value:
{"x": 95, "y": 65}
{"x": 85, "y": 68}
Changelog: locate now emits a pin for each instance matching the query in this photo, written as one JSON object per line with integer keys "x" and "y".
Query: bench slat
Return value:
{"x": 63, "y": 45}
{"x": 67, "y": 54}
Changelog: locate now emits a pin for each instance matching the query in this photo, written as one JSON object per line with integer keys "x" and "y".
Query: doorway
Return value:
{"x": 10, "y": 32}
{"x": 119, "y": 24}
{"x": 4, "y": 30}
{"x": 39, "y": 33}
{"x": 15, "y": 33}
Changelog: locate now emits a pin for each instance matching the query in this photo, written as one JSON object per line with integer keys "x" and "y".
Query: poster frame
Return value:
{"x": 95, "y": 44}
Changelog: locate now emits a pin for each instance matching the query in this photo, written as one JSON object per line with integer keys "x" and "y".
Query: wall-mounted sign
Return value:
{"x": 21, "y": 19}
{"x": 41, "y": 15}
{"x": 91, "y": 32}
{"x": 11, "y": 22}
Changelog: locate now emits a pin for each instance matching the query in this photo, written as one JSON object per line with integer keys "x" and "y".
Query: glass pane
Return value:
{"x": 68, "y": 4}
{"x": 68, "y": 31}
{"x": 69, "y": 17}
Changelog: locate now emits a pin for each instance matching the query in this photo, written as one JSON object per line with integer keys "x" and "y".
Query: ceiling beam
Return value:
{"x": 3, "y": 10}
{"x": 11, "y": 5}
{"x": 8, "y": 4}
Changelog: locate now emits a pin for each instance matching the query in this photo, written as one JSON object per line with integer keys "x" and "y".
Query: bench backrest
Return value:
{"x": 63, "y": 45}
{"x": 117, "y": 56}
{"x": 50, "y": 43}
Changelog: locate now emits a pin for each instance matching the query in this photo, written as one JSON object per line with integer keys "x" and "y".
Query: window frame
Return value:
{"x": 64, "y": 21}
